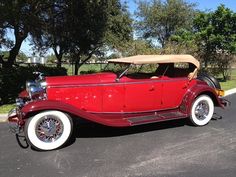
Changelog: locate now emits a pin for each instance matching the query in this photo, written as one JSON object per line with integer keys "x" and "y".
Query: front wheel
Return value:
{"x": 48, "y": 130}
{"x": 202, "y": 110}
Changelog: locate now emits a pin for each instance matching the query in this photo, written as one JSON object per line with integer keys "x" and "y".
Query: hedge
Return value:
{"x": 12, "y": 80}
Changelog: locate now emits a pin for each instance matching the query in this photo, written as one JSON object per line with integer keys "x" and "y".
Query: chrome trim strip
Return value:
{"x": 155, "y": 120}
{"x": 122, "y": 112}
{"x": 116, "y": 83}
{"x": 168, "y": 115}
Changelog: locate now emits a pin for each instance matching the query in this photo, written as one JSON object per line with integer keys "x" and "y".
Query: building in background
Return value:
{"x": 37, "y": 60}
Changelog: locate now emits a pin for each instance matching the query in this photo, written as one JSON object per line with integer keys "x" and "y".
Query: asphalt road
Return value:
{"x": 170, "y": 149}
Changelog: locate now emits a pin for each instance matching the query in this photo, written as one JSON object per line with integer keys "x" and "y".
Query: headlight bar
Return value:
{"x": 35, "y": 88}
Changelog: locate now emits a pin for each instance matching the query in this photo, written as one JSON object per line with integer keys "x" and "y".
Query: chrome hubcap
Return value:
{"x": 49, "y": 128}
{"x": 202, "y": 110}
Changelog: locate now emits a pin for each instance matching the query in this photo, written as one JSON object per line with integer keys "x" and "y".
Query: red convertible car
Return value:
{"x": 130, "y": 91}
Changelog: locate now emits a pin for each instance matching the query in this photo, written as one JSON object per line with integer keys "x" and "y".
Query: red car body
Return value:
{"x": 99, "y": 98}
{"x": 115, "y": 101}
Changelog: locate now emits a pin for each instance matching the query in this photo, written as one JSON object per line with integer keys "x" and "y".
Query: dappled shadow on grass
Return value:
{"x": 221, "y": 79}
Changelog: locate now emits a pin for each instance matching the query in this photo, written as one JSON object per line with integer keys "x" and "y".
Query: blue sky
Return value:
{"x": 201, "y": 4}
{"x": 213, "y": 4}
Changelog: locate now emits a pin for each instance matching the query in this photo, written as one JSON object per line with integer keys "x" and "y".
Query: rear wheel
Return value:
{"x": 48, "y": 130}
{"x": 202, "y": 110}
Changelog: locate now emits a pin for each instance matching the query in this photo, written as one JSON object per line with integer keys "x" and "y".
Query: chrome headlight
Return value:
{"x": 43, "y": 84}
{"x": 19, "y": 102}
{"x": 35, "y": 88}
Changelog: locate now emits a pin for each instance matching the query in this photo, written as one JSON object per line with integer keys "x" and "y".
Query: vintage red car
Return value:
{"x": 130, "y": 91}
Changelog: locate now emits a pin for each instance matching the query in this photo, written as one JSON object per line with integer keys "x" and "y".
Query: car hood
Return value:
{"x": 81, "y": 79}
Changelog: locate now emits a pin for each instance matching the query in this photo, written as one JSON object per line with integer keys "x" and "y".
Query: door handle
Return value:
{"x": 152, "y": 88}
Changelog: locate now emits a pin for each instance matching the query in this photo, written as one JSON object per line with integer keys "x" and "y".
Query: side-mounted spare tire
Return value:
{"x": 210, "y": 80}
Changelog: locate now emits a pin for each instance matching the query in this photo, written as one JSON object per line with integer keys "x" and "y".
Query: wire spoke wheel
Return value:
{"x": 48, "y": 130}
{"x": 202, "y": 110}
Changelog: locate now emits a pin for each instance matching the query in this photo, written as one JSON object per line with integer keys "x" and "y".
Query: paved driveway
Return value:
{"x": 164, "y": 149}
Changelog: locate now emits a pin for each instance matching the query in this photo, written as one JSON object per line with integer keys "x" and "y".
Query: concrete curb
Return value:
{"x": 3, "y": 117}
{"x": 230, "y": 92}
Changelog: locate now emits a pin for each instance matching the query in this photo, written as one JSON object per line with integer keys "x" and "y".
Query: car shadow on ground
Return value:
{"x": 92, "y": 130}
{"x": 86, "y": 129}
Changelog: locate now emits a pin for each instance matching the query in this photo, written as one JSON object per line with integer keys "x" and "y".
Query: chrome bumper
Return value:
{"x": 15, "y": 121}
{"x": 225, "y": 102}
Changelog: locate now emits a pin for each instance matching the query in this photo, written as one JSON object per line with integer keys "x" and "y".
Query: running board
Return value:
{"x": 156, "y": 117}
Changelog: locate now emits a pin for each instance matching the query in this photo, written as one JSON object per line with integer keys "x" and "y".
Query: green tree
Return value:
{"x": 86, "y": 21}
{"x": 4, "y": 55}
{"x": 21, "y": 57}
{"x": 23, "y": 18}
{"x": 98, "y": 23}
{"x": 82, "y": 29}
{"x": 134, "y": 47}
{"x": 182, "y": 42}
{"x": 51, "y": 58}
{"x": 215, "y": 34}
{"x": 55, "y": 31}
{"x": 159, "y": 19}
{"x": 119, "y": 29}
{"x": 140, "y": 47}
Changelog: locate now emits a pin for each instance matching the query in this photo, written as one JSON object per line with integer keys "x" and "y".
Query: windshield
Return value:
{"x": 144, "y": 68}
{"x": 149, "y": 70}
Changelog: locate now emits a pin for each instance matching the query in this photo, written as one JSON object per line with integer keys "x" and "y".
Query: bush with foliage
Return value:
{"x": 13, "y": 81}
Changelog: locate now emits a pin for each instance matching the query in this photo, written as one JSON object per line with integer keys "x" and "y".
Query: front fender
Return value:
{"x": 193, "y": 92}
{"x": 42, "y": 105}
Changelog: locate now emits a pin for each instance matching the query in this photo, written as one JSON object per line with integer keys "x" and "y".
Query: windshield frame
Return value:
{"x": 123, "y": 70}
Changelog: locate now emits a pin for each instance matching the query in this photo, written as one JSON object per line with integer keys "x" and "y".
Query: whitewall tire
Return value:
{"x": 48, "y": 130}
{"x": 202, "y": 110}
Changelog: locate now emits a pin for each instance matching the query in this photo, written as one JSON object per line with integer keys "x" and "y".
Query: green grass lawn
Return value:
{"x": 85, "y": 67}
{"x": 4, "y": 109}
{"x": 228, "y": 85}
{"x": 231, "y": 83}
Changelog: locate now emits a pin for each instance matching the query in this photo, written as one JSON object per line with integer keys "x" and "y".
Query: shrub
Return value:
{"x": 12, "y": 80}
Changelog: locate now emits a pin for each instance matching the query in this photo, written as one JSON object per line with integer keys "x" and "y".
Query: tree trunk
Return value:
{"x": 76, "y": 68}
{"x": 1, "y": 59}
{"x": 13, "y": 53}
{"x": 15, "y": 50}
{"x": 77, "y": 65}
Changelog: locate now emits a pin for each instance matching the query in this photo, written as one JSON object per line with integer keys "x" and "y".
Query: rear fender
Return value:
{"x": 194, "y": 92}
{"x": 42, "y": 105}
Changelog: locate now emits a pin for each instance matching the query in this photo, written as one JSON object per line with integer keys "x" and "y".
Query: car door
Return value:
{"x": 173, "y": 90}
{"x": 129, "y": 96}
{"x": 113, "y": 98}
{"x": 140, "y": 95}
{"x": 113, "y": 94}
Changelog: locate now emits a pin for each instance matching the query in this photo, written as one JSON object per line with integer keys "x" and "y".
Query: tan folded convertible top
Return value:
{"x": 152, "y": 59}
